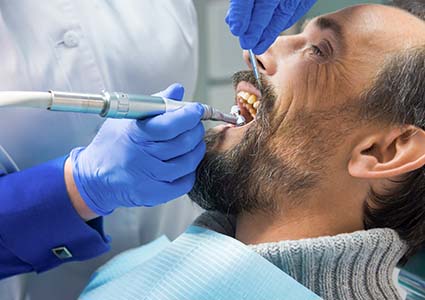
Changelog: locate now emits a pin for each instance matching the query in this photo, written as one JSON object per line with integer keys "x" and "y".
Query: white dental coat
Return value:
{"x": 135, "y": 46}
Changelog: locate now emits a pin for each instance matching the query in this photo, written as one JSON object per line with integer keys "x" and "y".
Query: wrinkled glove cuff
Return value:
{"x": 83, "y": 183}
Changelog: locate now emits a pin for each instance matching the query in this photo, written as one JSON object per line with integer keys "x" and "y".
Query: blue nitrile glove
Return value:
{"x": 258, "y": 23}
{"x": 141, "y": 163}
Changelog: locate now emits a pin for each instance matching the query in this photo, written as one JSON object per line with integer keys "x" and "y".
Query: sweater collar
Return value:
{"x": 358, "y": 265}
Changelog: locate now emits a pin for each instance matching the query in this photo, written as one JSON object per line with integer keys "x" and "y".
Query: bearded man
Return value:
{"x": 327, "y": 180}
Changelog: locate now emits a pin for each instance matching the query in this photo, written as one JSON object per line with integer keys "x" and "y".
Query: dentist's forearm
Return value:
{"x": 80, "y": 206}
{"x": 37, "y": 217}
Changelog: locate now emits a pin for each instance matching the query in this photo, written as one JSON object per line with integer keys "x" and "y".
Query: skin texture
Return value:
{"x": 80, "y": 206}
{"x": 313, "y": 127}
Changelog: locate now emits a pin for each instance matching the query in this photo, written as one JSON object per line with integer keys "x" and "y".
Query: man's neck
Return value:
{"x": 303, "y": 221}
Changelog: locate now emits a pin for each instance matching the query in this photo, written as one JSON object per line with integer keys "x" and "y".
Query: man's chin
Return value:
{"x": 222, "y": 175}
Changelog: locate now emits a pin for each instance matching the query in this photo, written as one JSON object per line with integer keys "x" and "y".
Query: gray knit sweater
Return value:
{"x": 351, "y": 266}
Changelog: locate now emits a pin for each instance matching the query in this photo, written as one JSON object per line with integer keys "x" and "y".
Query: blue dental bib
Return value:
{"x": 200, "y": 264}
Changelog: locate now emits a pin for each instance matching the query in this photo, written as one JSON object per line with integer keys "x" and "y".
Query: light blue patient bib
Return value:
{"x": 200, "y": 264}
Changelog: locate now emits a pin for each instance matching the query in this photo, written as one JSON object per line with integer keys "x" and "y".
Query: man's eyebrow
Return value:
{"x": 327, "y": 23}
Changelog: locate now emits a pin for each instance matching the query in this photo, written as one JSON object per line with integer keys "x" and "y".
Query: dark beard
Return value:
{"x": 270, "y": 163}
{"x": 242, "y": 178}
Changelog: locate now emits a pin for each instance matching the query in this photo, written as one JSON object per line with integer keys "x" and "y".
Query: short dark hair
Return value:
{"x": 397, "y": 97}
{"x": 415, "y": 7}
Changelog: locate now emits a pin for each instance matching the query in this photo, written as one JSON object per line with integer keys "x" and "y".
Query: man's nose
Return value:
{"x": 268, "y": 61}
{"x": 265, "y": 62}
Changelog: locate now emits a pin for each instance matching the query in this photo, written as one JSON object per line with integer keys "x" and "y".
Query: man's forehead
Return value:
{"x": 383, "y": 23}
{"x": 325, "y": 22}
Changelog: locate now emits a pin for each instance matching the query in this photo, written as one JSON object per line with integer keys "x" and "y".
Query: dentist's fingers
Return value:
{"x": 173, "y": 190}
{"x": 180, "y": 166}
{"x": 277, "y": 24}
{"x": 178, "y": 146}
{"x": 239, "y": 16}
{"x": 260, "y": 19}
{"x": 168, "y": 125}
{"x": 174, "y": 91}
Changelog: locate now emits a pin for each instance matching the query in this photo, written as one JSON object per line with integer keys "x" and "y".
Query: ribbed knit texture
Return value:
{"x": 358, "y": 265}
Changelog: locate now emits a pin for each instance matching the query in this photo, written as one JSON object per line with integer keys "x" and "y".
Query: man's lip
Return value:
{"x": 224, "y": 127}
{"x": 247, "y": 87}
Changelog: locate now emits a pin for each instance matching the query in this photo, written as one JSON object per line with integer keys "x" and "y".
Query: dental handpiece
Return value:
{"x": 127, "y": 106}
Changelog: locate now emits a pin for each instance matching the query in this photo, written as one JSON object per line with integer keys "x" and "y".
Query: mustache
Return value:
{"x": 247, "y": 76}
{"x": 268, "y": 95}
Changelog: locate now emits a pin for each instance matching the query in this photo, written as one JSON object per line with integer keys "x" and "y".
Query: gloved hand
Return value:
{"x": 258, "y": 23}
{"x": 141, "y": 163}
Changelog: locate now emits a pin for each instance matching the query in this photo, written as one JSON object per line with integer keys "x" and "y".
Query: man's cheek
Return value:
{"x": 324, "y": 87}
{"x": 297, "y": 87}
{"x": 312, "y": 80}
{"x": 277, "y": 110}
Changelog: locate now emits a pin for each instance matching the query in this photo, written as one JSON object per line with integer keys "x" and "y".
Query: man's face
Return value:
{"x": 307, "y": 120}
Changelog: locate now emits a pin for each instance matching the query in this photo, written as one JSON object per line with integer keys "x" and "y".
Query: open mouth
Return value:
{"x": 248, "y": 99}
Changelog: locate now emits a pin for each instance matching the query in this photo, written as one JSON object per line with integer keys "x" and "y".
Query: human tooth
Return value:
{"x": 243, "y": 95}
{"x": 252, "y": 99}
{"x": 252, "y": 111}
{"x": 256, "y": 104}
{"x": 238, "y": 97}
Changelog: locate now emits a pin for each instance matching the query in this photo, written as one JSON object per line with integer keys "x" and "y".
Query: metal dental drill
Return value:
{"x": 109, "y": 105}
{"x": 120, "y": 105}
{"x": 235, "y": 111}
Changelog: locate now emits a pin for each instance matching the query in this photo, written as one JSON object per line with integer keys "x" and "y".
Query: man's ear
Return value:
{"x": 391, "y": 153}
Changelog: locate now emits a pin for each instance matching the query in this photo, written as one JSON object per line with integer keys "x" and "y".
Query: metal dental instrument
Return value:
{"x": 108, "y": 105}
{"x": 255, "y": 67}
{"x": 235, "y": 111}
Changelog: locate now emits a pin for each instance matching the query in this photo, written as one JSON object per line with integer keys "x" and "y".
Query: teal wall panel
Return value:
{"x": 325, "y": 6}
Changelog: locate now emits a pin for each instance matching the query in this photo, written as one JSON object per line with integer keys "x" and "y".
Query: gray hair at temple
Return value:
{"x": 415, "y": 7}
{"x": 397, "y": 97}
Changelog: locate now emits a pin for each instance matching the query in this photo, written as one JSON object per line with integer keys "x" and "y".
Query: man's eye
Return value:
{"x": 316, "y": 51}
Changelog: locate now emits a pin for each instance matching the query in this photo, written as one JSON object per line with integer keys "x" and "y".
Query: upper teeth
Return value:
{"x": 249, "y": 101}
{"x": 244, "y": 95}
{"x": 252, "y": 99}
